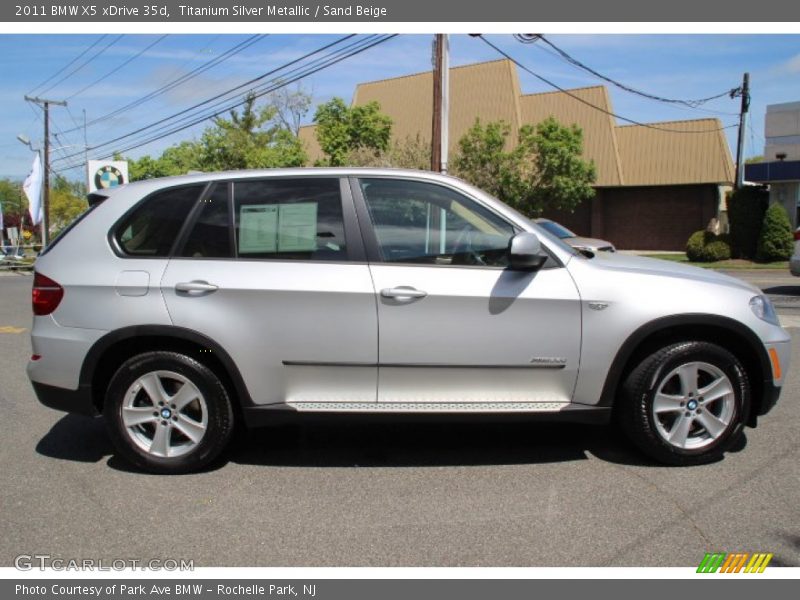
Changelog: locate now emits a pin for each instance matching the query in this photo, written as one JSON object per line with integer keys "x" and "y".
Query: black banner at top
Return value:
{"x": 393, "y": 11}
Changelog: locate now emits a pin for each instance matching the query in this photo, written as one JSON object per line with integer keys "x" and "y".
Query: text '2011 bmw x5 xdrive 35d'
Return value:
{"x": 176, "y": 306}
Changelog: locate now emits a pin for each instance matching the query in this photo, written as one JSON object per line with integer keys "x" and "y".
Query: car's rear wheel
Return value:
{"x": 168, "y": 413}
{"x": 685, "y": 404}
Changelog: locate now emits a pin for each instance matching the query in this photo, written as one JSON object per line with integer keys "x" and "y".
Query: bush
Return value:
{"x": 704, "y": 246}
{"x": 776, "y": 241}
{"x": 746, "y": 208}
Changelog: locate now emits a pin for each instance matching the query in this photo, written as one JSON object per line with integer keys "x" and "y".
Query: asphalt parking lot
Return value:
{"x": 393, "y": 494}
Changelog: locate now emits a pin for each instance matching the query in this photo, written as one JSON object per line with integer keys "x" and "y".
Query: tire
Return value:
{"x": 685, "y": 404}
{"x": 167, "y": 413}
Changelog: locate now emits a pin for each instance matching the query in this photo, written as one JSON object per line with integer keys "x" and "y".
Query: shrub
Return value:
{"x": 746, "y": 208}
{"x": 704, "y": 246}
{"x": 776, "y": 241}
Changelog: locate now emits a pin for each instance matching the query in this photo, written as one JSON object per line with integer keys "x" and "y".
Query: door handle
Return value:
{"x": 196, "y": 287}
{"x": 402, "y": 292}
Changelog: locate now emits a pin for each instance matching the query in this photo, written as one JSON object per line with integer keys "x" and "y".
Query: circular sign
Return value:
{"x": 108, "y": 177}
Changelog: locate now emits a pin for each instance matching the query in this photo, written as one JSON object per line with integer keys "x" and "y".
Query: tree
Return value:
{"x": 746, "y": 208}
{"x": 291, "y": 107}
{"x": 343, "y": 130}
{"x": 254, "y": 138}
{"x": 67, "y": 202}
{"x": 544, "y": 171}
{"x": 13, "y": 201}
{"x": 410, "y": 153}
{"x": 776, "y": 241}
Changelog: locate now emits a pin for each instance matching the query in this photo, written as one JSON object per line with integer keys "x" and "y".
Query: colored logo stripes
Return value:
{"x": 734, "y": 562}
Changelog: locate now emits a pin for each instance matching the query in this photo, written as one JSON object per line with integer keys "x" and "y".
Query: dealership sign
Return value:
{"x": 104, "y": 174}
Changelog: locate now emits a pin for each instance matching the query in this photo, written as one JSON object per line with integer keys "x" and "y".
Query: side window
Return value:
{"x": 152, "y": 227}
{"x": 210, "y": 236}
{"x": 419, "y": 222}
{"x": 289, "y": 219}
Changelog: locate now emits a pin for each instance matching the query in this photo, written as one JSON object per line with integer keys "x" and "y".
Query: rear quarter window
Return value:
{"x": 152, "y": 227}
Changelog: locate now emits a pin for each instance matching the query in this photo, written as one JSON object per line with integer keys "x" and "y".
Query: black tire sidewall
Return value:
{"x": 220, "y": 413}
{"x": 646, "y": 379}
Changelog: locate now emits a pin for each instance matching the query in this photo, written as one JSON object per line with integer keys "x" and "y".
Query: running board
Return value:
{"x": 432, "y": 407}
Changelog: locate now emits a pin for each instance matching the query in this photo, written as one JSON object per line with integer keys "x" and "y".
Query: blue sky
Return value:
{"x": 675, "y": 66}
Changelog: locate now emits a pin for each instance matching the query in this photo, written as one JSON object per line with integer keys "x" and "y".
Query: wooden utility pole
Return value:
{"x": 436, "y": 134}
{"x": 745, "y": 109}
{"x": 45, "y": 104}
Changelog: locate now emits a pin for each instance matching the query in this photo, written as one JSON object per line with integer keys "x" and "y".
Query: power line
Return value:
{"x": 231, "y": 52}
{"x": 84, "y": 63}
{"x": 532, "y": 38}
{"x": 118, "y": 67}
{"x": 301, "y": 72}
{"x": 218, "y": 96}
{"x": 587, "y": 103}
{"x": 69, "y": 64}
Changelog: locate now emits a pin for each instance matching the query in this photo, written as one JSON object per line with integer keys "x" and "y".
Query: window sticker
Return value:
{"x": 258, "y": 228}
{"x": 271, "y": 228}
{"x": 297, "y": 227}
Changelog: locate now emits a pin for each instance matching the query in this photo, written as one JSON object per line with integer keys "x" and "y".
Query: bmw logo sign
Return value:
{"x": 108, "y": 177}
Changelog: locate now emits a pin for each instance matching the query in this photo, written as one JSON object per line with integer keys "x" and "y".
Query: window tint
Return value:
{"x": 152, "y": 227}
{"x": 425, "y": 223}
{"x": 211, "y": 235}
{"x": 290, "y": 219}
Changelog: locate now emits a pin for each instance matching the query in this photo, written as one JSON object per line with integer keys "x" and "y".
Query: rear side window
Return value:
{"x": 289, "y": 219}
{"x": 210, "y": 236}
{"x": 152, "y": 227}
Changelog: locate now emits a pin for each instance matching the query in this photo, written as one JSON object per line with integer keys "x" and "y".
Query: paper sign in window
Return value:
{"x": 258, "y": 228}
{"x": 297, "y": 227}
{"x": 270, "y": 228}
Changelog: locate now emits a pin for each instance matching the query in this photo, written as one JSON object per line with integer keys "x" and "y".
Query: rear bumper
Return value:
{"x": 73, "y": 401}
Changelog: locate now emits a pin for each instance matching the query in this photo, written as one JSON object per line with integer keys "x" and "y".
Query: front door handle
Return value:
{"x": 196, "y": 287}
{"x": 403, "y": 292}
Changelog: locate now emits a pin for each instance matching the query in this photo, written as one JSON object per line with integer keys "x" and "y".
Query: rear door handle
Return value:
{"x": 402, "y": 292}
{"x": 196, "y": 287}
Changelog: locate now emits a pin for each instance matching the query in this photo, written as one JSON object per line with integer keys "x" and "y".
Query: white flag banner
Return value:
{"x": 33, "y": 190}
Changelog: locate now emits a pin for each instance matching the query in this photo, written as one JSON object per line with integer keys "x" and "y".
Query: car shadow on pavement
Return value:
{"x": 366, "y": 444}
{"x": 429, "y": 445}
{"x": 783, "y": 290}
{"x": 77, "y": 438}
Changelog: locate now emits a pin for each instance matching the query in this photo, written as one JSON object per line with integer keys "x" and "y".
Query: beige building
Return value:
{"x": 656, "y": 183}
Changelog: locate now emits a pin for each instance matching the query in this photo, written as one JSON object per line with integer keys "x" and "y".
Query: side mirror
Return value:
{"x": 525, "y": 252}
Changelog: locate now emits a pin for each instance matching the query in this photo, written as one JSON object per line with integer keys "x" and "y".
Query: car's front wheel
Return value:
{"x": 685, "y": 404}
{"x": 168, "y": 413}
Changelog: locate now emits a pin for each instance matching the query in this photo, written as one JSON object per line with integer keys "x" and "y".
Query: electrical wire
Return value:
{"x": 587, "y": 103}
{"x": 278, "y": 83}
{"x": 83, "y": 64}
{"x": 231, "y": 52}
{"x": 532, "y": 38}
{"x": 69, "y": 64}
{"x": 117, "y": 69}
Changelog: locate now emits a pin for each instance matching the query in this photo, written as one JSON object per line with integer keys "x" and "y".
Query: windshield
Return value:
{"x": 557, "y": 230}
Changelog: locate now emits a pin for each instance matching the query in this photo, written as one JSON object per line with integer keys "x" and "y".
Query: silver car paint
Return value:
{"x": 327, "y": 313}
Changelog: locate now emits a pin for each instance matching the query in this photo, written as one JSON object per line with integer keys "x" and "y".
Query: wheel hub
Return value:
{"x": 166, "y": 413}
{"x": 691, "y": 405}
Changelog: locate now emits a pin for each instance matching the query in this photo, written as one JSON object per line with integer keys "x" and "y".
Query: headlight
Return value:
{"x": 763, "y": 309}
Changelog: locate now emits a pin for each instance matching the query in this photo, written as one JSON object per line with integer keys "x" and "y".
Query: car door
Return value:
{"x": 456, "y": 326}
{"x": 273, "y": 270}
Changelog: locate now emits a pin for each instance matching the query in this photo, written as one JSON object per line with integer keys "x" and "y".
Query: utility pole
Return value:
{"x": 45, "y": 104}
{"x": 745, "y": 94}
{"x": 441, "y": 102}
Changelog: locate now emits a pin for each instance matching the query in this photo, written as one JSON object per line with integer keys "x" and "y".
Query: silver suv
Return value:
{"x": 177, "y": 307}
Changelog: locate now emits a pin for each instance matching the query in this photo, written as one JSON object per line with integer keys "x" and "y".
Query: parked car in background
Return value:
{"x": 177, "y": 307}
{"x": 794, "y": 261}
{"x": 573, "y": 239}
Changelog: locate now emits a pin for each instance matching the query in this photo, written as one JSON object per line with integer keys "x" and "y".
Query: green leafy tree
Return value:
{"x": 410, "y": 153}
{"x": 776, "y": 241}
{"x": 544, "y": 171}
{"x": 343, "y": 130}
{"x": 13, "y": 201}
{"x": 253, "y": 138}
{"x": 67, "y": 202}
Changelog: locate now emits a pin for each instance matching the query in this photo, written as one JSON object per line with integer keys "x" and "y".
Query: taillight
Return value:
{"x": 46, "y": 295}
{"x": 797, "y": 235}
